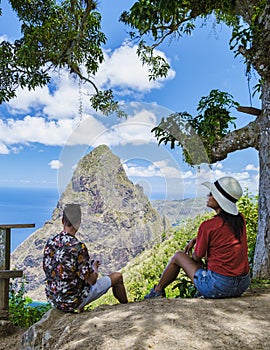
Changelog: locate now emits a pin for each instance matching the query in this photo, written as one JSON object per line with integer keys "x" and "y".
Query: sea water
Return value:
{"x": 26, "y": 206}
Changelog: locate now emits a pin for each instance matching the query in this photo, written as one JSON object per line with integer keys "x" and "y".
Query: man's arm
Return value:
{"x": 92, "y": 277}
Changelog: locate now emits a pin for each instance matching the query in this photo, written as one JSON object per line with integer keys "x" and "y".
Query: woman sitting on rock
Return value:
{"x": 221, "y": 241}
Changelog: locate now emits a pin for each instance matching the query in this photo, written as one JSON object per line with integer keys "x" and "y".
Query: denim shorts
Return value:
{"x": 213, "y": 285}
{"x": 101, "y": 287}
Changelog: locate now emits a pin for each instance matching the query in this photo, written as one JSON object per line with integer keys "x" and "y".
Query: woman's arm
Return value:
{"x": 199, "y": 260}
{"x": 190, "y": 245}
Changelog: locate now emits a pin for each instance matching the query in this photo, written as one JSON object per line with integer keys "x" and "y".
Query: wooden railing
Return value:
{"x": 5, "y": 272}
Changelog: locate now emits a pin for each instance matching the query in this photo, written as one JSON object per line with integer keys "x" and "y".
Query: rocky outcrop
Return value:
{"x": 118, "y": 221}
{"x": 160, "y": 324}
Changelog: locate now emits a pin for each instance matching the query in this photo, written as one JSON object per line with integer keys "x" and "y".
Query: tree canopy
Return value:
{"x": 55, "y": 35}
{"x": 164, "y": 18}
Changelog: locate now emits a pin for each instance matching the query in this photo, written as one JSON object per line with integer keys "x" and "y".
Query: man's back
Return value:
{"x": 65, "y": 263}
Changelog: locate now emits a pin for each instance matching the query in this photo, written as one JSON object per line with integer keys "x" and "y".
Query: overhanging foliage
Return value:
{"x": 56, "y": 35}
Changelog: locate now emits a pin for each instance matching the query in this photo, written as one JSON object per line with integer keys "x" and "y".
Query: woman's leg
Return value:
{"x": 179, "y": 260}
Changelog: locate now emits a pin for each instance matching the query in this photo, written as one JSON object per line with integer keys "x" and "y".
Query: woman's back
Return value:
{"x": 225, "y": 254}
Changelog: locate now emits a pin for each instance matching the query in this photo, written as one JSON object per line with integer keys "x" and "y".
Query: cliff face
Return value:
{"x": 118, "y": 221}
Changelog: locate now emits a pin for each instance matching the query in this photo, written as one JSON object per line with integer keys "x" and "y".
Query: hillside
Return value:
{"x": 160, "y": 324}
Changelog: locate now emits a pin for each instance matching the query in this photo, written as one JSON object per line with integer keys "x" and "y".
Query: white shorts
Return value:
{"x": 101, "y": 287}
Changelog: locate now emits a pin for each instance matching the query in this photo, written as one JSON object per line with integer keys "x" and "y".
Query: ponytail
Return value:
{"x": 236, "y": 222}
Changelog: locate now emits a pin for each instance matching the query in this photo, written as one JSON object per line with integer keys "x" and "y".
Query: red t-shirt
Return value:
{"x": 224, "y": 253}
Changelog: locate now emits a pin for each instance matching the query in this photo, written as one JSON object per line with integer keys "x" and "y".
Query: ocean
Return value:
{"x": 26, "y": 206}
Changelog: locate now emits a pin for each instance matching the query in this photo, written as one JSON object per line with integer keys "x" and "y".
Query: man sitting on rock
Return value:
{"x": 71, "y": 279}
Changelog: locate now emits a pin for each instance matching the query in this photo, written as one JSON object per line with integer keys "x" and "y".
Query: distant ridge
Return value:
{"x": 178, "y": 211}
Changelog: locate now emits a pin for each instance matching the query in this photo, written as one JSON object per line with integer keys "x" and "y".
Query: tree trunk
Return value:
{"x": 261, "y": 267}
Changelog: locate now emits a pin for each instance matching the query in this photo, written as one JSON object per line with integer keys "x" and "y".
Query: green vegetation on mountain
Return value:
{"x": 142, "y": 272}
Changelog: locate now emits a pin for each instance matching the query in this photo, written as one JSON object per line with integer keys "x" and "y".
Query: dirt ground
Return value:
{"x": 163, "y": 324}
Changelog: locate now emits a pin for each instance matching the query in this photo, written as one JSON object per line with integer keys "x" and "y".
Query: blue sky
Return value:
{"x": 43, "y": 135}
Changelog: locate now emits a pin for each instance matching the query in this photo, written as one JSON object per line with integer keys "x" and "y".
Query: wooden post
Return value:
{"x": 5, "y": 272}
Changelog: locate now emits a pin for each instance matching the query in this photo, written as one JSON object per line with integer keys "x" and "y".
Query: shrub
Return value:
{"x": 21, "y": 313}
{"x": 185, "y": 287}
{"x": 248, "y": 206}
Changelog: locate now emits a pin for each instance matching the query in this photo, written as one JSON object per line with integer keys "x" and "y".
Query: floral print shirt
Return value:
{"x": 66, "y": 264}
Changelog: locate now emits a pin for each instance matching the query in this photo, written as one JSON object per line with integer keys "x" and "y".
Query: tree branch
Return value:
{"x": 66, "y": 56}
{"x": 250, "y": 110}
{"x": 77, "y": 71}
{"x": 170, "y": 29}
{"x": 239, "y": 139}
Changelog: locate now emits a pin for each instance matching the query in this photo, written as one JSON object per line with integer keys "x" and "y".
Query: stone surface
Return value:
{"x": 160, "y": 324}
{"x": 6, "y": 328}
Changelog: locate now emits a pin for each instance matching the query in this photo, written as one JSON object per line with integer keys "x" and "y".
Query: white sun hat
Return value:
{"x": 226, "y": 191}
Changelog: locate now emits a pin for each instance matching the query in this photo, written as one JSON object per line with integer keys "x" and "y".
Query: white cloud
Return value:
{"x": 51, "y": 116}
{"x": 122, "y": 68}
{"x": 156, "y": 169}
{"x": 35, "y": 129}
{"x": 85, "y": 132}
{"x": 246, "y": 180}
{"x": 177, "y": 182}
{"x": 3, "y": 38}
{"x": 64, "y": 101}
{"x": 218, "y": 165}
{"x": 60, "y": 103}
{"x": 55, "y": 164}
{"x": 251, "y": 167}
{"x": 28, "y": 100}
{"x": 135, "y": 129}
{"x": 140, "y": 171}
{"x": 170, "y": 171}
{"x": 4, "y": 149}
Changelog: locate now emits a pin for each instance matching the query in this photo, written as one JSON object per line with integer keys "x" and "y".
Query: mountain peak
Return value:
{"x": 118, "y": 220}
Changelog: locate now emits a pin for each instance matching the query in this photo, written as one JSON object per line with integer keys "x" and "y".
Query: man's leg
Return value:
{"x": 96, "y": 291}
{"x": 118, "y": 288}
{"x": 179, "y": 260}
